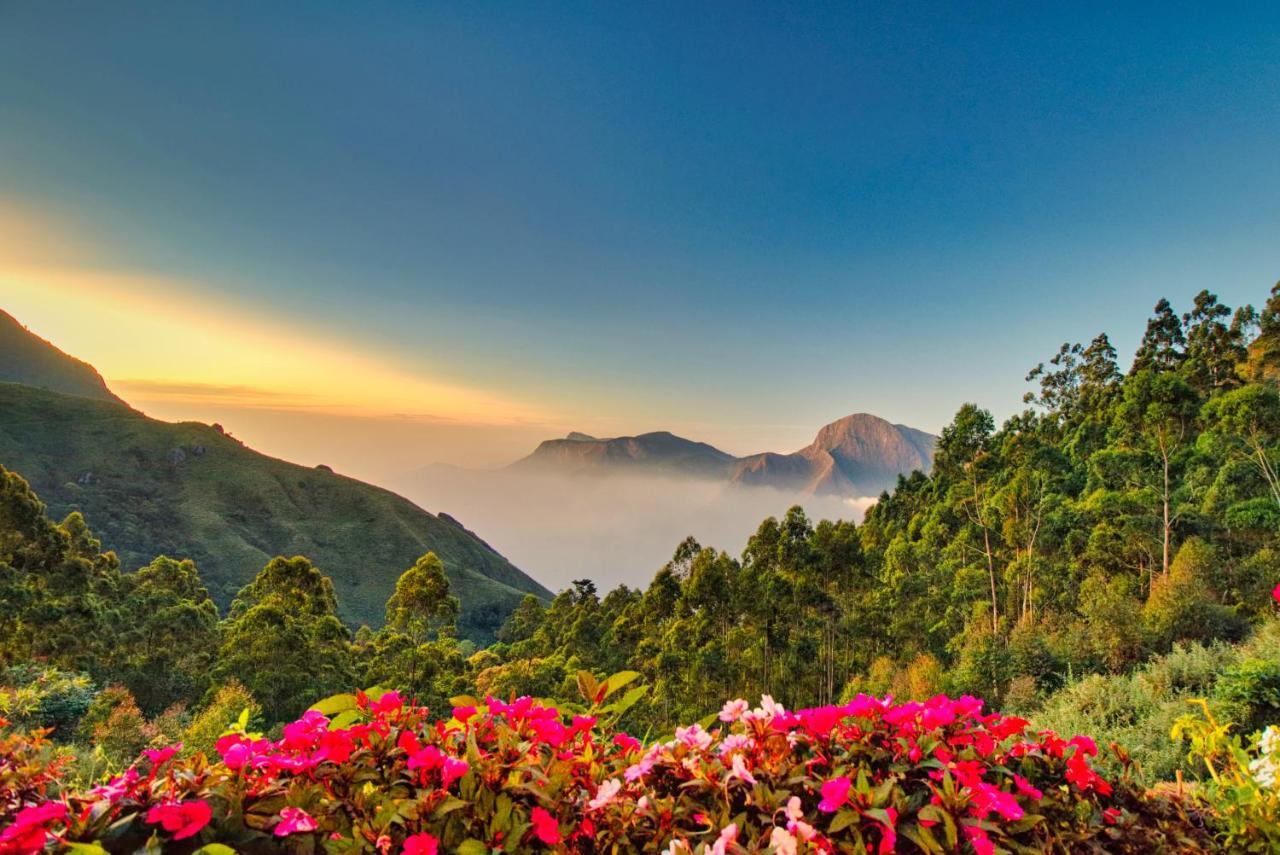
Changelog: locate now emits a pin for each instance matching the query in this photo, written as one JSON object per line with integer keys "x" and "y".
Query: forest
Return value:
{"x": 1092, "y": 564}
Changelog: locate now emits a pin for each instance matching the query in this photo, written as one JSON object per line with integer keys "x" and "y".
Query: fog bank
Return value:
{"x": 614, "y": 529}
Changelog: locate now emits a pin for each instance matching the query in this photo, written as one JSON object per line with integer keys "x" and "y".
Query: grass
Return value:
{"x": 189, "y": 491}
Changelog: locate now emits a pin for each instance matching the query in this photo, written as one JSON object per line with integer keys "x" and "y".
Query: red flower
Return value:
{"x": 545, "y": 827}
{"x": 28, "y": 832}
{"x": 181, "y": 819}
{"x": 421, "y": 844}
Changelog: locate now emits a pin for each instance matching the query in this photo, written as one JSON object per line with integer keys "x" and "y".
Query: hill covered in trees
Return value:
{"x": 190, "y": 490}
{"x": 1126, "y": 509}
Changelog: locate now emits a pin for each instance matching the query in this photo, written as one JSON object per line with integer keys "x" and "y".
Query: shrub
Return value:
{"x": 35, "y": 696}
{"x": 360, "y": 773}
{"x": 1242, "y": 783}
{"x": 223, "y": 709}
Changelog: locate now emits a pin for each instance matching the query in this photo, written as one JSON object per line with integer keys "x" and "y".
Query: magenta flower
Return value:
{"x": 451, "y": 770}
{"x": 834, "y": 794}
{"x": 294, "y": 820}
{"x": 421, "y": 844}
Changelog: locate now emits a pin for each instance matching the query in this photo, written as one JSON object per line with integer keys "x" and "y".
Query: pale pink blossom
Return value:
{"x": 733, "y": 710}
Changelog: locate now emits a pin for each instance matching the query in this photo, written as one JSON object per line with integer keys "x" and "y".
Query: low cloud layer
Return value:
{"x": 616, "y": 529}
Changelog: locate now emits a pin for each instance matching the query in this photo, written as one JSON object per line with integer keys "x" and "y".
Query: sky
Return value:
{"x": 384, "y": 235}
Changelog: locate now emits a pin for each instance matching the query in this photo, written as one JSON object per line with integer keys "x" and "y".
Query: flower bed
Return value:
{"x": 362, "y": 773}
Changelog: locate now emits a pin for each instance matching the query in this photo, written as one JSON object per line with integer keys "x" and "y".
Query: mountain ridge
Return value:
{"x": 189, "y": 490}
{"x": 858, "y": 455}
{"x": 34, "y": 361}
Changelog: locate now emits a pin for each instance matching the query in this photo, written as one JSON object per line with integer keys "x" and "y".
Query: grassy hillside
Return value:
{"x": 187, "y": 490}
{"x": 26, "y": 358}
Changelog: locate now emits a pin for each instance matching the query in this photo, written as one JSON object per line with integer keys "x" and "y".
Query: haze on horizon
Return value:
{"x": 443, "y": 234}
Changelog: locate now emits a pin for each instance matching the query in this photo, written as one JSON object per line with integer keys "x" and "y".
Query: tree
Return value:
{"x": 962, "y": 454}
{"x": 1248, "y": 420}
{"x": 1157, "y": 414}
{"x": 168, "y": 634}
{"x": 283, "y": 639}
{"x": 1163, "y": 342}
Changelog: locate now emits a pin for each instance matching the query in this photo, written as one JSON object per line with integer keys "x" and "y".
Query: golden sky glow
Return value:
{"x": 153, "y": 340}
{"x": 159, "y": 341}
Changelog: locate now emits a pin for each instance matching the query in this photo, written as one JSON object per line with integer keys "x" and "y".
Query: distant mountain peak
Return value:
{"x": 860, "y": 454}
{"x": 29, "y": 360}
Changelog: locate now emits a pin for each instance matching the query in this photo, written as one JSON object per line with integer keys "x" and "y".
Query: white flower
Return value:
{"x": 607, "y": 792}
{"x": 782, "y": 841}
{"x": 733, "y": 710}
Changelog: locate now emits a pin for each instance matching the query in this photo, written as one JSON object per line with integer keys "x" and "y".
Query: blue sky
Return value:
{"x": 736, "y": 221}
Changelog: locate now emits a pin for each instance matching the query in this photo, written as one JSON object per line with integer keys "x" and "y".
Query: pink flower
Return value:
{"x": 693, "y": 736}
{"x": 181, "y": 819}
{"x": 545, "y": 827}
{"x": 421, "y": 844}
{"x": 452, "y": 770}
{"x": 728, "y": 835}
{"x": 158, "y": 756}
{"x": 607, "y": 792}
{"x": 733, "y": 710}
{"x": 1275, "y": 593}
{"x": 27, "y": 832}
{"x": 982, "y": 844}
{"x": 740, "y": 770}
{"x": 834, "y": 794}
{"x": 294, "y": 821}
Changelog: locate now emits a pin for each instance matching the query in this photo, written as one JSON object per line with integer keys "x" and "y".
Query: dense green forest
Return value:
{"x": 1123, "y": 515}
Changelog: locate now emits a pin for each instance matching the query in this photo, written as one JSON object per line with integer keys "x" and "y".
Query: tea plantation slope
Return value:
{"x": 188, "y": 490}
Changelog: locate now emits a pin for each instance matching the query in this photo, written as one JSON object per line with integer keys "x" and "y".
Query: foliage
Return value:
{"x": 189, "y": 490}
{"x": 379, "y": 774}
{"x": 1242, "y": 784}
{"x": 1137, "y": 710}
{"x": 34, "y": 696}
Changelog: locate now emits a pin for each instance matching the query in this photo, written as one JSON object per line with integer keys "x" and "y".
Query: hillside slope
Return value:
{"x": 187, "y": 490}
{"x": 26, "y": 358}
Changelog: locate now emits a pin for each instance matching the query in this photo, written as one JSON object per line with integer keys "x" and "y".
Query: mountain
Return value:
{"x": 189, "y": 490}
{"x": 859, "y": 455}
{"x": 28, "y": 359}
{"x": 656, "y": 452}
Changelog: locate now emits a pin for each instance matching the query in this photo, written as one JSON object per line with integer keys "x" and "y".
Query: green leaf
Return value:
{"x": 464, "y": 701}
{"x": 617, "y": 681}
{"x": 472, "y": 847}
{"x": 87, "y": 848}
{"x": 628, "y": 700}
{"x": 346, "y": 718}
{"x": 215, "y": 849}
{"x": 842, "y": 820}
{"x": 335, "y": 704}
